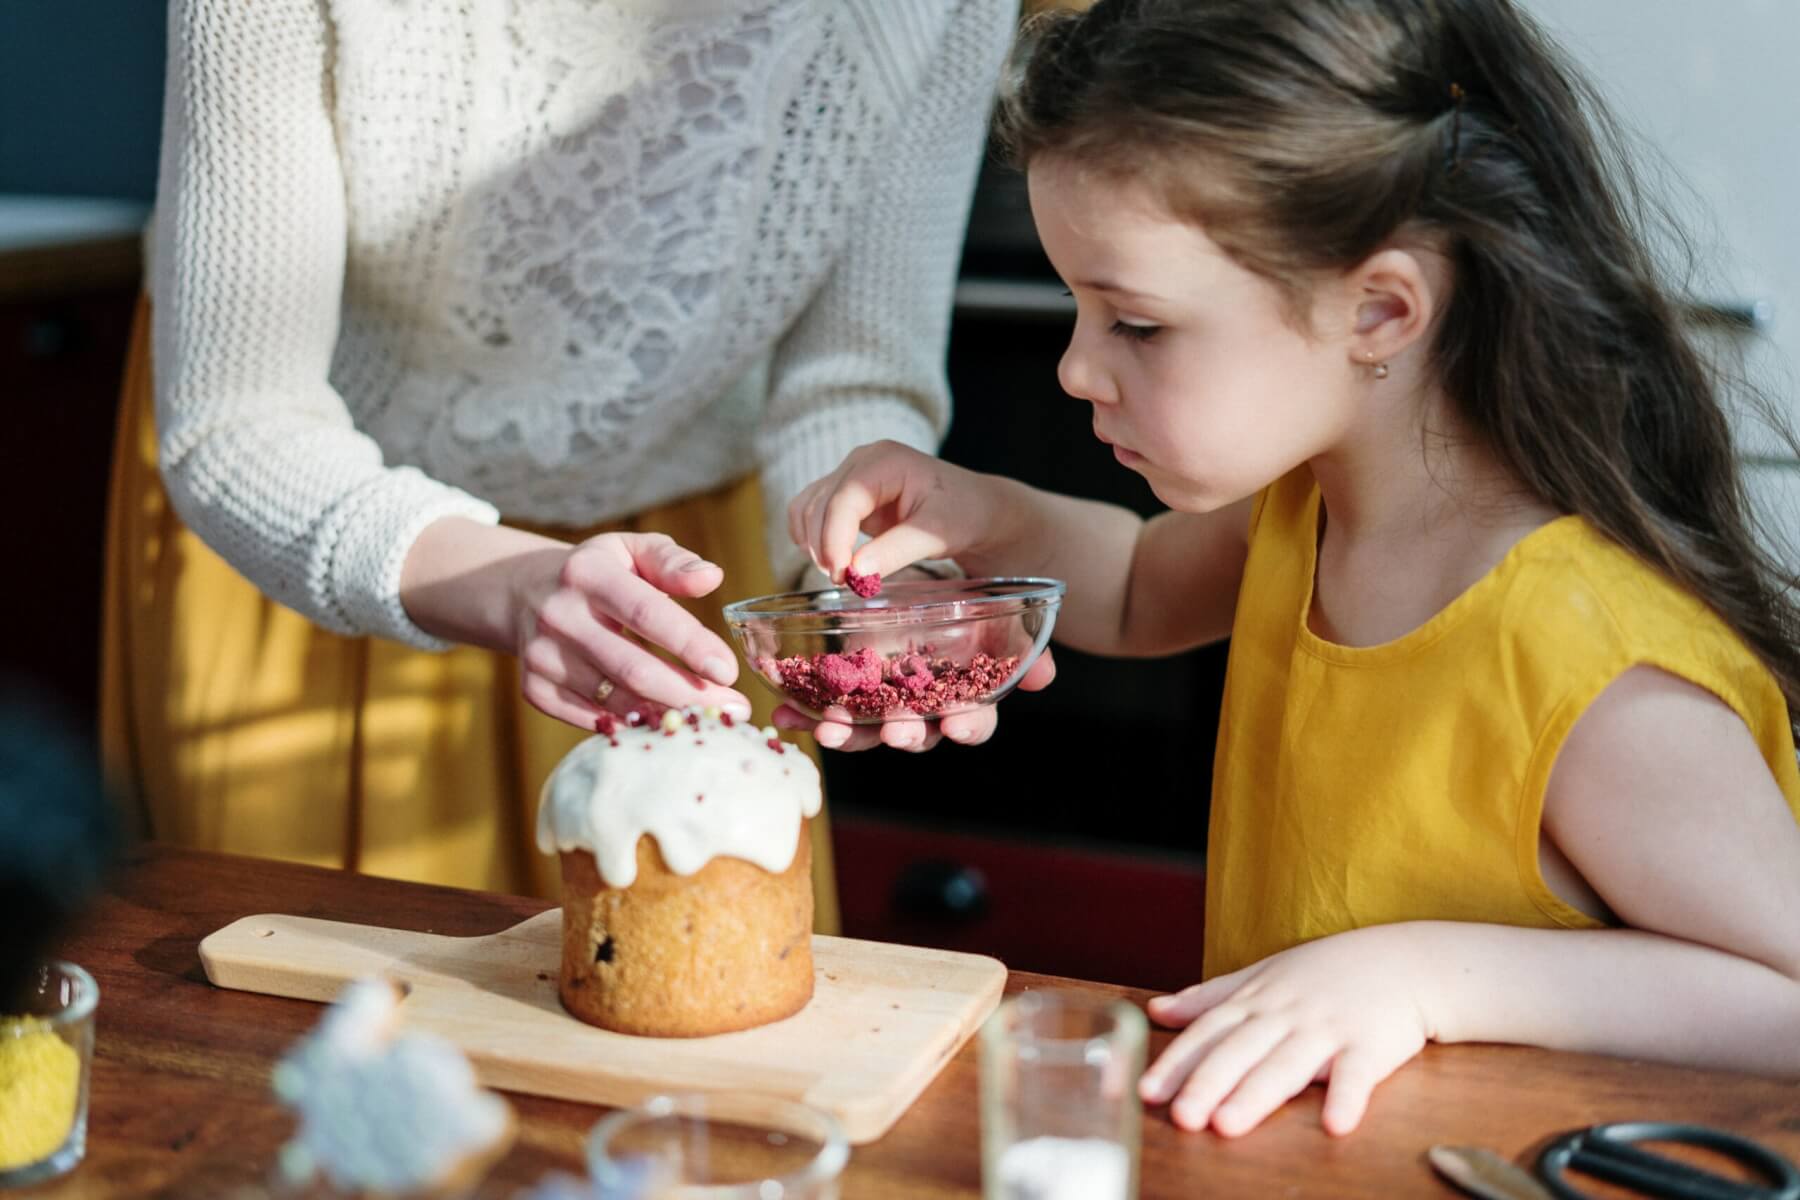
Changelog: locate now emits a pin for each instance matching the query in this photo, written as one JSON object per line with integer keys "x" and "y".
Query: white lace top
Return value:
{"x": 552, "y": 260}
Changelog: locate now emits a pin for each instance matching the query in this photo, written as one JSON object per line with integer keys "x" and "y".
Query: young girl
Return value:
{"x": 1506, "y": 751}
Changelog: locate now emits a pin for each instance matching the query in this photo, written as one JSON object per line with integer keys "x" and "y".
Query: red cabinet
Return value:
{"x": 1062, "y": 909}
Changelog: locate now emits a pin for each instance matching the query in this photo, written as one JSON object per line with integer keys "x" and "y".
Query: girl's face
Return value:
{"x": 1198, "y": 378}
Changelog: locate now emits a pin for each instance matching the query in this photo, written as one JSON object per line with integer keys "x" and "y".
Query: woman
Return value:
{"x": 456, "y": 309}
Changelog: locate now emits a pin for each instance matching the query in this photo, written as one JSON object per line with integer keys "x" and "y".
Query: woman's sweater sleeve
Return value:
{"x": 258, "y": 452}
{"x": 866, "y": 360}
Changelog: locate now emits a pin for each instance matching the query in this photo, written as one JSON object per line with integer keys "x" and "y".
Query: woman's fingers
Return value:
{"x": 644, "y": 607}
{"x": 567, "y": 618}
{"x": 669, "y": 566}
{"x": 556, "y": 701}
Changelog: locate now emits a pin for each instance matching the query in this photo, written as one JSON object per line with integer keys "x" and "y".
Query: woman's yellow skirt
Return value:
{"x": 237, "y": 725}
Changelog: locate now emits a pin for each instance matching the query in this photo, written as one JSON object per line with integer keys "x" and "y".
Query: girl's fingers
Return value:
{"x": 796, "y": 514}
{"x": 1222, "y": 1066}
{"x": 1284, "y": 1072}
{"x": 971, "y": 728}
{"x": 1040, "y": 674}
{"x": 1181, "y": 1056}
{"x": 1190, "y": 1002}
{"x": 1354, "y": 1075}
{"x": 899, "y": 546}
{"x": 841, "y": 519}
{"x": 786, "y": 716}
{"x": 906, "y": 733}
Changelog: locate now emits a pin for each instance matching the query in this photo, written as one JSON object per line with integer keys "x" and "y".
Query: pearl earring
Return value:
{"x": 1381, "y": 370}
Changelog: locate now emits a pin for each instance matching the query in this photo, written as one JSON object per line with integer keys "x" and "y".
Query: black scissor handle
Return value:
{"x": 1607, "y": 1152}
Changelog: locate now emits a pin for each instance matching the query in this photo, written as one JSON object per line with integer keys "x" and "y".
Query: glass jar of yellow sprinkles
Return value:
{"x": 45, "y": 1048}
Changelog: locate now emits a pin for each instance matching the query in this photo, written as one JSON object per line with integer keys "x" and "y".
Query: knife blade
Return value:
{"x": 1483, "y": 1173}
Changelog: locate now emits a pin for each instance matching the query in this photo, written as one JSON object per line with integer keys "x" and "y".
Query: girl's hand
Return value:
{"x": 1346, "y": 1010}
{"x": 585, "y": 618}
{"x": 914, "y": 507}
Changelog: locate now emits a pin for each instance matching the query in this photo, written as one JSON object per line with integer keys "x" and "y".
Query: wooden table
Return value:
{"x": 181, "y": 1105}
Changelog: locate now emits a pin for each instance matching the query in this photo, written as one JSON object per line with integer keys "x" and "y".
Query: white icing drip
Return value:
{"x": 380, "y": 1111}
{"x": 703, "y": 790}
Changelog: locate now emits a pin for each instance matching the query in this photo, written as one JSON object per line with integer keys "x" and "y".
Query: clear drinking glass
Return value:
{"x": 718, "y": 1146}
{"x": 1059, "y": 1105}
{"x": 46, "y": 1047}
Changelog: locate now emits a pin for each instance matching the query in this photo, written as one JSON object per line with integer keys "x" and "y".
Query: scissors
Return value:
{"x": 1608, "y": 1152}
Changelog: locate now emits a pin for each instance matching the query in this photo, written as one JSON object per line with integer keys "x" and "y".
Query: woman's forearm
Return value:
{"x": 1621, "y": 992}
{"x": 460, "y": 579}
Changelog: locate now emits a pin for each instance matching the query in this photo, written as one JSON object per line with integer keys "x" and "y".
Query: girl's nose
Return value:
{"x": 1080, "y": 374}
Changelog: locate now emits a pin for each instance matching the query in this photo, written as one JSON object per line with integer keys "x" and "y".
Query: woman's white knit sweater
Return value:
{"x": 556, "y": 260}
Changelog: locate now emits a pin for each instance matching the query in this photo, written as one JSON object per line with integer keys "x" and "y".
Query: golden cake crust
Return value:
{"x": 728, "y": 947}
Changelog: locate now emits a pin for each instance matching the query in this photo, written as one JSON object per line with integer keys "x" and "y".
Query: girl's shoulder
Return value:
{"x": 1578, "y": 598}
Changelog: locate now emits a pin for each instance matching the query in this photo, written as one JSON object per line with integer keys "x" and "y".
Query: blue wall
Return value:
{"x": 80, "y": 96}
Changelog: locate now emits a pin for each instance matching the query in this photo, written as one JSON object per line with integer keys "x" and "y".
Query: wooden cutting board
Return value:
{"x": 882, "y": 1021}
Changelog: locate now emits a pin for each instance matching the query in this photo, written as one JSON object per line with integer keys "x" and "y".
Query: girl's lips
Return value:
{"x": 1125, "y": 456}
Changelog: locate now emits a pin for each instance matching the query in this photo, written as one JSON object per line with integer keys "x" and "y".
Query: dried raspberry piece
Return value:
{"x": 847, "y": 673}
{"x": 867, "y": 586}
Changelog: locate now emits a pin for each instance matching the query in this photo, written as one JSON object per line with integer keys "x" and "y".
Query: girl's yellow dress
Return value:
{"x": 234, "y": 724}
{"x": 1367, "y": 785}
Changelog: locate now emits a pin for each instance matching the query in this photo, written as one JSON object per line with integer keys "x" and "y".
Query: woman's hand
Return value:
{"x": 590, "y": 623}
{"x": 1345, "y": 1009}
{"x": 583, "y": 620}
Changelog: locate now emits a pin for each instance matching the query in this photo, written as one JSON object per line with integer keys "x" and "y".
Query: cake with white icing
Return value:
{"x": 384, "y": 1112}
{"x": 687, "y": 875}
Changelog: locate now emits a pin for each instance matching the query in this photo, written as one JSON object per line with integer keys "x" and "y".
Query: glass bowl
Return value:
{"x": 721, "y": 1145}
{"x": 919, "y": 648}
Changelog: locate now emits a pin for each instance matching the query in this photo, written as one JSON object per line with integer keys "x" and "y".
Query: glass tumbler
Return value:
{"x": 1059, "y": 1106}
{"x": 722, "y": 1146}
{"x": 46, "y": 1047}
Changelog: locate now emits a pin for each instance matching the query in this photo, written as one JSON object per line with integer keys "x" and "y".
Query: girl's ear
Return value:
{"x": 1395, "y": 293}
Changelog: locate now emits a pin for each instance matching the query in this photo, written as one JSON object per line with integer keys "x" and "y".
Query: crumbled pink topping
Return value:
{"x": 868, "y": 685}
{"x": 866, "y": 586}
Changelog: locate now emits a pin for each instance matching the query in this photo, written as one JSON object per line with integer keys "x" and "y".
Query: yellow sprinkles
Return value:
{"x": 40, "y": 1075}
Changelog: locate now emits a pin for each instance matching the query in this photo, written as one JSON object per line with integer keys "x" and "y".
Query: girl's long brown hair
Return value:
{"x": 1306, "y": 134}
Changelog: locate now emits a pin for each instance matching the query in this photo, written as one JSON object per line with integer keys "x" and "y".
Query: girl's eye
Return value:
{"x": 1137, "y": 333}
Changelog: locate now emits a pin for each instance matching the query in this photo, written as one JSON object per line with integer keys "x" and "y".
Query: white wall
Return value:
{"x": 1714, "y": 87}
